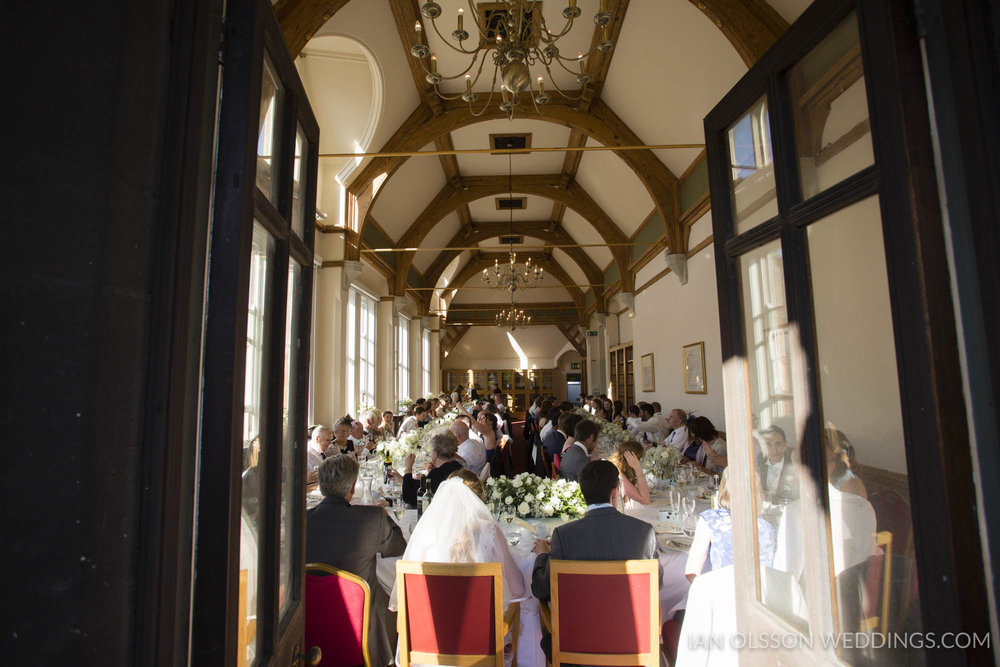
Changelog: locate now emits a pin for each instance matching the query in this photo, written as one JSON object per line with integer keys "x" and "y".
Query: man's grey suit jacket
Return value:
{"x": 603, "y": 534}
{"x": 572, "y": 463}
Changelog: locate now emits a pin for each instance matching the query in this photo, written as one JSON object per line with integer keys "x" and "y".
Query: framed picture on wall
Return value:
{"x": 648, "y": 378}
{"x": 694, "y": 368}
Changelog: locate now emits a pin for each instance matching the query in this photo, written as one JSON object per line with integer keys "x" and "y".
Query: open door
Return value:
{"x": 249, "y": 538}
{"x": 848, "y": 438}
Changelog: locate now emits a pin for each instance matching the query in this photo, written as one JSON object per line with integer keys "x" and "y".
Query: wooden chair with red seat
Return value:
{"x": 337, "y": 615}
{"x": 452, "y": 613}
{"x": 603, "y": 612}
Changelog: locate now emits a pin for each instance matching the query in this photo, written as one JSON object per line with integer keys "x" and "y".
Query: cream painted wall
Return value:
{"x": 489, "y": 347}
{"x": 859, "y": 384}
{"x": 669, "y": 316}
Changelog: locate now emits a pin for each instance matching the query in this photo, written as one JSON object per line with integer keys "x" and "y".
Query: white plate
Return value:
{"x": 666, "y": 528}
{"x": 681, "y": 544}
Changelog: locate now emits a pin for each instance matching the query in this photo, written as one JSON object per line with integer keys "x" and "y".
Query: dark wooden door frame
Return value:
{"x": 952, "y": 577}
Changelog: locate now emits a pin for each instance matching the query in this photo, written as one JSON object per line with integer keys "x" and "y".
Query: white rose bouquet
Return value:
{"x": 661, "y": 461}
{"x": 610, "y": 436}
{"x": 527, "y": 495}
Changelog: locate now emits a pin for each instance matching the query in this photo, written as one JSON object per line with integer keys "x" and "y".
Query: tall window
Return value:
{"x": 425, "y": 366}
{"x": 360, "y": 350}
{"x": 402, "y": 359}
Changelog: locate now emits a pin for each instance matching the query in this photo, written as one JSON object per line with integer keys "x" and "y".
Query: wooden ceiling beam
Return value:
{"x": 601, "y": 124}
{"x": 570, "y": 335}
{"x": 478, "y": 187}
{"x": 751, "y": 26}
{"x": 300, "y": 19}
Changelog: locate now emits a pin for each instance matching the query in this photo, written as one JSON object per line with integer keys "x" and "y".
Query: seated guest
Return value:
{"x": 553, "y": 441}
{"x": 349, "y": 537}
{"x": 483, "y": 424}
{"x": 342, "y": 436}
{"x": 443, "y": 447}
{"x": 603, "y": 533}
{"x": 357, "y": 437}
{"x": 713, "y": 536}
{"x": 319, "y": 443}
{"x": 632, "y": 487}
{"x": 551, "y": 421}
{"x": 707, "y": 449}
{"x": 775, "y": 470}
{"x": 618, "y": 413}
{"x": 578, "y": 455}
{"x": 654, "y": 427}
{"x": 385, "y": 430}
{"x": 678, "y": 438}
{"x": 852, "y": 533}
{"x": 472, "y": 452}
{"x": 633, "y": 420}
{"x": 414, "y": 421}
{"x": 840, "y": 461}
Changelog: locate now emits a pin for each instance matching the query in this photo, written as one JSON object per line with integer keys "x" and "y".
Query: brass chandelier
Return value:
{"x": 510, "y": 276}
{"x": 516, "y": 33}
{"x": 512, "y": 317}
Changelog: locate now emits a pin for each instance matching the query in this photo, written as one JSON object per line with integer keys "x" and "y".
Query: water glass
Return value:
{"x": 689, "y": 524}
{"x": 675, "y": 501}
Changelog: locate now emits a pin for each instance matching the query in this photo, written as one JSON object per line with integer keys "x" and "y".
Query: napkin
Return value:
{"x": 521, "y": 523}
{"x": 666, "y": 528}
{"x": 676, "y": 543}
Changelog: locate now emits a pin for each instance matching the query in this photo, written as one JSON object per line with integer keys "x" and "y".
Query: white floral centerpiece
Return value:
{"x": 661, "y": 460}
{"x": 610, "y": 436}
{"x": 414, "y": 441}
{"x": 527, "y": 495}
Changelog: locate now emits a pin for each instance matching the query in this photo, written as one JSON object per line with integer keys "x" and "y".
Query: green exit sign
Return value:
{"x": 591, "y": 332}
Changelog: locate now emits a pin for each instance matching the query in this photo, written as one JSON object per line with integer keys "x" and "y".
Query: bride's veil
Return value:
{"x": 456, "y": 528}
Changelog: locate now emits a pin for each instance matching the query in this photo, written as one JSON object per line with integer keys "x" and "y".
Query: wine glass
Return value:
{"x": 508, "y": 516}
{"x": 683, "y": 477}
{"x": 688, "y": 504}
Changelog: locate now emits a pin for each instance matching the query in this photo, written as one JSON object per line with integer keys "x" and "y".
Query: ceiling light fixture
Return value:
{"x": 512, "y": 277}
{"x": 516, "y": 33}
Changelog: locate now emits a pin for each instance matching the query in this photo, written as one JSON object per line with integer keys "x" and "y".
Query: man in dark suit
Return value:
{"x": 578, "y": 455}
{"x": 776, "y": 469}
{"x": 603, "y": 534}
{"x": 349, "y": 536}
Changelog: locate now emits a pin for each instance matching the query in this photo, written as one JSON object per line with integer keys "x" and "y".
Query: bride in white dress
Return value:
{"x": 458, "y": 527}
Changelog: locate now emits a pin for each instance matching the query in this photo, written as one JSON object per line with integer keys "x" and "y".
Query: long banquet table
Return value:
{"x": 673, "y": 588}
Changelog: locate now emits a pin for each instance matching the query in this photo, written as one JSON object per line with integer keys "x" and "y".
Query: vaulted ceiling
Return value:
{"x": 589, "y": 216}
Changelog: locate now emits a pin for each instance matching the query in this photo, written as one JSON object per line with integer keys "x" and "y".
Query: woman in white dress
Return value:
{"x": 632, "y": 488}
{"x": 458, "y": 527}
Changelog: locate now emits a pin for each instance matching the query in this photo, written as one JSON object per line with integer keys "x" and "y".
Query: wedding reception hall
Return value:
{"x": 520, "y": 332}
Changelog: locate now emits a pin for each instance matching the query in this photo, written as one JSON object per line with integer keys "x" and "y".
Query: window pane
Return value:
{"x": 268, "y": 141}
{"x": 870, "y": 521}
{"x": 751, "y": 169}
{"x": 832, "y": 134}
{"x": 403, "y": 360}
{"x": 768, "y": 340}
{"x": 425, "y": 347}
{"x": 292, "y": 444}
{"x": 255, "y": 448}
{"x": 299, "y": 179}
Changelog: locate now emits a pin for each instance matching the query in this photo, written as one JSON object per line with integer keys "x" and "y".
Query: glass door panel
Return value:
{"x": 870, "y": 521}
{"x": 832, "y": 133}
{"x": 751, "y": 169}
{"x": 292, "y": 445}
{"x": 268, "y": 140}
{"x": 774, "y": 475}
{"x": 299, "y": 179}
{"x": 252, "y": 527}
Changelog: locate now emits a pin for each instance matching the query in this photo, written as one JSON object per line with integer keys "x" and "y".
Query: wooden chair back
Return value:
{"x": 337, "y": 615}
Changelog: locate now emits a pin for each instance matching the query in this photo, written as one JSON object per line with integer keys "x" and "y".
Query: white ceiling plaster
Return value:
{"x": 789, "y": 9}
{"x": 437, "y": 238}
{"x": 405, "y": 195}
{"x": 576, "y": 274}
{"x": 671, "y": 66}
{"x": 543, "y": 134}
{"x": 583, "y": 232}
{"x": 615, "y": 188}
{"x": 371, "y": 22}
{"x": 485, "y": 209}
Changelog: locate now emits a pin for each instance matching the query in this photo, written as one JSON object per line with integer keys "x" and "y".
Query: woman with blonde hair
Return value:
{"x": 632, "y": 487}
